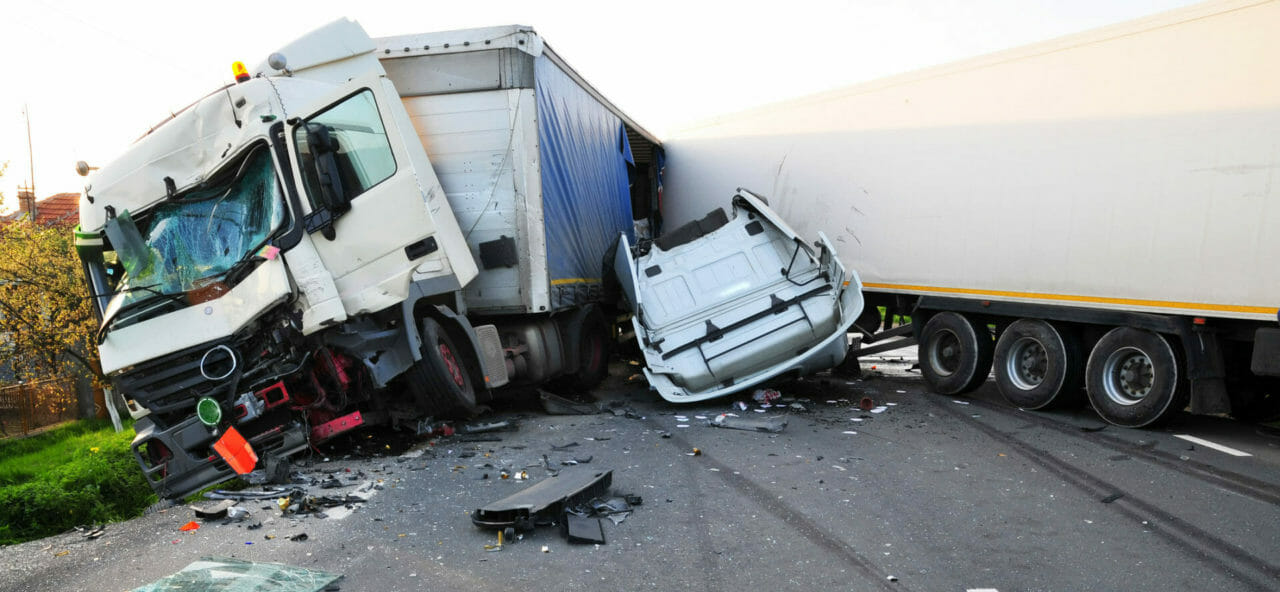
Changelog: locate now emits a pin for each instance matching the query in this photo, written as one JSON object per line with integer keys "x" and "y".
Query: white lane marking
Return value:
{"x": 981, "y": 590}
{"x": 1213, "y": 445}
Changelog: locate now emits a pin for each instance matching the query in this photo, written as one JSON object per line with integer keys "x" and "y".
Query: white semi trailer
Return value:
{"x": 363, "y": 231}
{"x": 1095, "y": 211}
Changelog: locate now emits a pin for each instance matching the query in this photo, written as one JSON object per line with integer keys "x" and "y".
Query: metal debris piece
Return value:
{"x": 583, "y": 530}
{"x": 544, "y": 501}
{"x": 773, "y": 424}
{"x": 213, "y": 510}
{"x": 556, "y": 405}
{"x": 276, "y": 493}
{"x": 493, "y": 426}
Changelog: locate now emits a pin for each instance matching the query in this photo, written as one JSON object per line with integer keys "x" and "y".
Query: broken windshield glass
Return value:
{"x": 198, "y": 235}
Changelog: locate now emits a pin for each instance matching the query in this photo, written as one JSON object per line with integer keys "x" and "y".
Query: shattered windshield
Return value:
{"x": 197, "y": 235}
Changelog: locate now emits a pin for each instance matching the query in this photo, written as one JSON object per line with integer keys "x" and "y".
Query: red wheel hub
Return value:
{"x": 451, "y": 364}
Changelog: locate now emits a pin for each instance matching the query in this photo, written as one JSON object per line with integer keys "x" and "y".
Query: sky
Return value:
{"x": 94, "y": 75}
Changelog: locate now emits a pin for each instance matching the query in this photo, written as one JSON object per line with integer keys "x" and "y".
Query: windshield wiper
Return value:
{"x": 106, "y": 321}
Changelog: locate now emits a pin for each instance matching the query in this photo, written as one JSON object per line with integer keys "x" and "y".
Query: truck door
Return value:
{"x": 367, "y": 216}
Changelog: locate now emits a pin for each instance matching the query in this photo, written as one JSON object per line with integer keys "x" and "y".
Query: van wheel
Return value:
{"x": 1038, "y": 364}
{"x": 441, "y": 382}
{"x": 1135, "y": 379}
{"x": 955, "y": 353}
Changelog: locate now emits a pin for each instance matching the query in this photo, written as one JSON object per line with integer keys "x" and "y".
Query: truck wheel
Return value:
{"x": 955, "y": 353}
{"x": 1038, "y": 364}
{"x": 593, "y": 353}
{"x": 1134, "y": 378}
{"x": 440, "y": 382}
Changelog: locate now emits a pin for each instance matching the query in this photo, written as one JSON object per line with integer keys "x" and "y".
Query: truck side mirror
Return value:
{"x": 324, "y": 151}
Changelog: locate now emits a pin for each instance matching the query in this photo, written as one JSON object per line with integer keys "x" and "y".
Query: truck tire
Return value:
{"x": 1039, "y": 364}
{"x": 1135, "y": 379}
{"x": 440, "y": 382}
{"x": 955, "y": 353}
{"x": 593, "y": 341}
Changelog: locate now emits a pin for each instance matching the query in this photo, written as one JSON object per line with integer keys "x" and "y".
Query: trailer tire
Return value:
{"x": 1134, "y": 378}
{"x": 955, "y": 353}
{"x": 593, "y": 339}
{"x": 441, "y": 382}
{"x": 1039, "y": 364}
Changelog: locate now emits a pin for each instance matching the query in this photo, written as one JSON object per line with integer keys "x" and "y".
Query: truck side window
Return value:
{"x": 361, "y": 150}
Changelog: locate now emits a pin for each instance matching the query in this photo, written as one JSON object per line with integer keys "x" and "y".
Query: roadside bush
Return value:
{"x": 98, "y": 481}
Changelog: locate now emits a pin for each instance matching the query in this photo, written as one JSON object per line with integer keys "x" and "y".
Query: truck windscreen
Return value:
{"x": 199, "y": 236}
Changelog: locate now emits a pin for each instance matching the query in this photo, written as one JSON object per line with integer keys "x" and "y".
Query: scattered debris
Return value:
{"x": 544, "y": 502}
{"x": 1111, "y": 498}
{"x": 556, "y": 405}
{"x": 583, "y": 529}
{"x": 190, "y": 526}
{"x": 959, "y": 402}
{"x": 481, "y": 428}
{"x": 221, "y": 573}
{"x": 298, "y": 538}
{"x": 765, "y": 396}
{"x": 866, "y": 403}
{"x": 213, "y": 510}
{"x": 773, "y": 424}
{"x": 92, "y": 532}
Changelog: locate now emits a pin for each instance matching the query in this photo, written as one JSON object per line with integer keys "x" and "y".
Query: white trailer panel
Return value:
{"x": 1125, "y": 168}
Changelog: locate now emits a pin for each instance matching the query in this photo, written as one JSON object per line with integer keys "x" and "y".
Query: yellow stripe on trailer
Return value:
{"x": 1236, "y": 308}
{"x": 566, "y": 281}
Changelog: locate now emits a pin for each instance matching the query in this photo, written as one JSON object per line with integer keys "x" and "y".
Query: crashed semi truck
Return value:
{"x": 1093, "y": 216}
{"x": 361, "y": 232}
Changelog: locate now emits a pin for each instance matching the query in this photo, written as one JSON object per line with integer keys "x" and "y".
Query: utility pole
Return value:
{"x": 31, "y": 155}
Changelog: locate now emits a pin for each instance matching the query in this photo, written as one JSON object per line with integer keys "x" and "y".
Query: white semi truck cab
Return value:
{"x": 365, "y": 231}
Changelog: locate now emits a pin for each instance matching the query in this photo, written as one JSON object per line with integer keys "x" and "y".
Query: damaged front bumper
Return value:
{"x": 722, "y": 304}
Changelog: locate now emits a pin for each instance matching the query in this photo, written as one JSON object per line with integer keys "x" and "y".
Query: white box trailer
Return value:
{"x": 1105, "y": 201}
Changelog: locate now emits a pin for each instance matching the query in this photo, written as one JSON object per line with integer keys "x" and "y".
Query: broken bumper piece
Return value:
{"x": 545, "y": 502}
{"x": 723, "y": 304}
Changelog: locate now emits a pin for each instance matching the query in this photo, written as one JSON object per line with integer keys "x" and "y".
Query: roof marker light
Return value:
{"x": 241, "y": 73}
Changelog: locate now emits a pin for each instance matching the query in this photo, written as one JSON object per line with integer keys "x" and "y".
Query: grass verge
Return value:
{"x": 80, "y": 473}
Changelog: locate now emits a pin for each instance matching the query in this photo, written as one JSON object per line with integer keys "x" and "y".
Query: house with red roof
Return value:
{"x": 59, "y": 209}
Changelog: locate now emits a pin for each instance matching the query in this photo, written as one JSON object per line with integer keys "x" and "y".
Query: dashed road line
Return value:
{"x": 1213, "y": 445}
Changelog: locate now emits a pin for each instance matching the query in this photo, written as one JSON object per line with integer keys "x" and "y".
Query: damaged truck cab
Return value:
{"x": 256, "y": 259}
{"x": 723, "y": 304}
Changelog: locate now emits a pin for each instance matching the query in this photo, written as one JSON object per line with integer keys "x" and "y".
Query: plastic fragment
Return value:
{"x": 190, "y": 526}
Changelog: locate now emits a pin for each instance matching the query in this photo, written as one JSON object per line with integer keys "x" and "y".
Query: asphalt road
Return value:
{"x": 929, "y": 493}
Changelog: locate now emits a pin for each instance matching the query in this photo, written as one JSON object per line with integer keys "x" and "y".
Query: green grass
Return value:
{"x": 80, "y": 473}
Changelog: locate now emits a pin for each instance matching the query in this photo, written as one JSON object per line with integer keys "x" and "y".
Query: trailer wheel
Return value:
{"x": 440, "y": 382}
{"x": 1134, "y": 378}
{"x": 593, "y": 341}
{"x": 955, "y": 353}
{"x": 1038, "y": 364}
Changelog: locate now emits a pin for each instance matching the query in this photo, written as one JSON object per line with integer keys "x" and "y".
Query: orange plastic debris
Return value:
{"x": 189, "y": 526}
{"x": 233, "y": 448}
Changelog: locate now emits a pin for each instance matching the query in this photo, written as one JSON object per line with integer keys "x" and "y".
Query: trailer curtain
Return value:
{"x": 586, "y": 197}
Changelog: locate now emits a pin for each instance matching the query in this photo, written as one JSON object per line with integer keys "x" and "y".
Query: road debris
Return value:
{"x": 222, "y": 573}
{"x": 765, "y": 396}
{"x": 212, "y": 511}
{"x": 493, "y": 426}
{"x": 772, "y": 424}
{"x": 583, "y": 529}
{"x": 546, "y": 501}
{"x": 190, "y": 526}
{"x": 556, "y": 405}
{"x": 1111, "y": 498}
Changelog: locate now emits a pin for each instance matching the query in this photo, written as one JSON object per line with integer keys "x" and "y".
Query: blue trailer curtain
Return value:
{"x": 586, "y": 200}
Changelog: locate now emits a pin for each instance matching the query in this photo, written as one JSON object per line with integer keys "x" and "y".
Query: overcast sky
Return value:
{"x": 95, "y": 75}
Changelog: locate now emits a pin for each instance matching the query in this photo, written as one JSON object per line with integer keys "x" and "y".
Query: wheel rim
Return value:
{"x": 945, "y": 352}
{"x": 1128, "y": 376}
{"x": 451, "y": 364}
{"x": 1027, "y": 363}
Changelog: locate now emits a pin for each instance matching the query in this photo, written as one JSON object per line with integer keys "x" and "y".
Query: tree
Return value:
{"x": 46, "y": 319}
